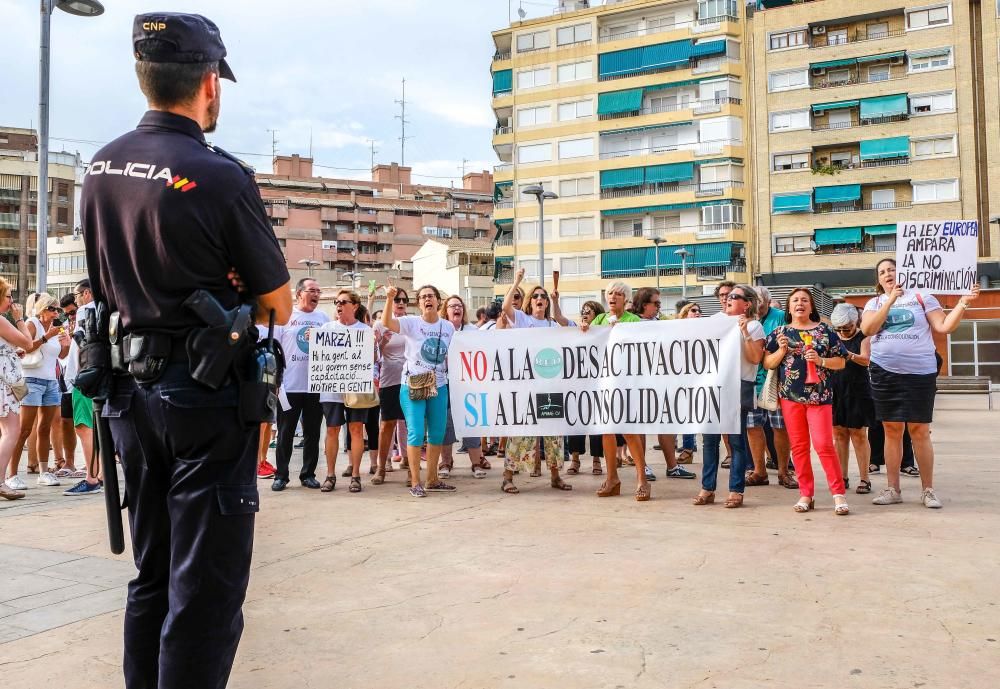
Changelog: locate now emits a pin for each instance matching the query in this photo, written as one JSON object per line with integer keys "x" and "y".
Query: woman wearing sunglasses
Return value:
{"x": 390, "y": 347}
{"x": 539, "y": 311}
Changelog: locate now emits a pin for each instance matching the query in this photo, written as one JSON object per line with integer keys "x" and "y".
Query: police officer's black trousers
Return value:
{"x": 190, "y": 476}
{"x": 307, "y": 406}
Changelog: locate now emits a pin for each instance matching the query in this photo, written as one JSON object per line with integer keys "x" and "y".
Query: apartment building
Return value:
{"x": 19, "y": 203}
{"x": 67, "y": 263}
{"x": 864, "y": 115}
{"x": 344, "y": 230}
{"x": 631, "y": 112}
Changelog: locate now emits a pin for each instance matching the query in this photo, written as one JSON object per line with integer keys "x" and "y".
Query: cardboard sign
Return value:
{"x": 938, "y": 256}
{"x": 341, "y": 359}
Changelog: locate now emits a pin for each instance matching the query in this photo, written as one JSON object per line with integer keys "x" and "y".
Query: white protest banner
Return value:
{"x": 341, "y": 359}
{"x": 659, "y": 377}
{"x": 937, "y": 256}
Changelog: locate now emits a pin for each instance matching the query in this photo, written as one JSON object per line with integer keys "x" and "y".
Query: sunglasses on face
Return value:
{"x": 517, "y": 297}
{"x": 343, "y": 302}
{"x": 539, "y": 295}
{"x": 842, "y": 330}
{"x": 738, "y": 297}
{"x": 400, "y": 300}
{"x": 71, "y": 314}
{"x": 695, "y": 311}
{"x": 587, "y": 312}
{"x": 53, "y": 309}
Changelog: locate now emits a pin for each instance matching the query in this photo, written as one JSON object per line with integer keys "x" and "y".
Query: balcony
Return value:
{"x": 857, "y": 207}
{"x": 504, "y": 276}
{"x": 853, "y": 80}
{"x": 695, "y": 25}
{"x": 886, "y": 246}
{"x": 858, "y": 122}
{"x": 500, "y": 56}
{"x": 714, "y": 273}
{"x": 855, "y": 36}
{"x": 700, "y": 148}
{"x": 503, "y": 203}
{"x": 843, "y": 166}
{"x": 670, "y": 188}
{"x": 500, "y": 130}
{"x": 714, "y": 231}
{"x": 715, "y": 104}
{"x": 506, "y": 240}
{"x": 503, "y": 167}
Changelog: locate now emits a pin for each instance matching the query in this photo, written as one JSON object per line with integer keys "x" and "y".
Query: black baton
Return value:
{"x": 105, "y": 449}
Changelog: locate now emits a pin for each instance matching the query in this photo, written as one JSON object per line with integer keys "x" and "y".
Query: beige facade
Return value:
{"x": 862, "y": 116}
{"x": 632, "y": 113}
{"x": 459, "y": 267}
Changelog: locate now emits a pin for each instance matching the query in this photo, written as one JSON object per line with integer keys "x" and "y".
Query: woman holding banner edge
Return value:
{"x": 904, "y": 372}
{"x": 616, "y": 293}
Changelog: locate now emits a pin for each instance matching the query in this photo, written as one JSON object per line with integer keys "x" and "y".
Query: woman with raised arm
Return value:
{"x": 903, "y": 372}
{"x": 424, "y": 392}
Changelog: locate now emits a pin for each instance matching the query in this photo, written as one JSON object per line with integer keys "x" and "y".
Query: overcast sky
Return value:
{"x": 330, "y": 66}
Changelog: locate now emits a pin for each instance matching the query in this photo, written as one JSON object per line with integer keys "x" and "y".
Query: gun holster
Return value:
{"x": 224, "y": 345}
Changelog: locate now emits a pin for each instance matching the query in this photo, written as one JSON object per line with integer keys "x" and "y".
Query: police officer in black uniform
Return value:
{"x": 165, "y": 214}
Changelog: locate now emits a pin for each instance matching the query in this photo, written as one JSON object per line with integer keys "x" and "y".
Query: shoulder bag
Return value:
{"x": 423, "y": 386}
{"x": 768, "y": 398}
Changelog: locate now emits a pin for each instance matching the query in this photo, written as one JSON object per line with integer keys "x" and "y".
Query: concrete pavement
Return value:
{"x": 549, "y": 589}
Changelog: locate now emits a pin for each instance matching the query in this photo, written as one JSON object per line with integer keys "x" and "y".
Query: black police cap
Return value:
{"x": 177, "y": 37}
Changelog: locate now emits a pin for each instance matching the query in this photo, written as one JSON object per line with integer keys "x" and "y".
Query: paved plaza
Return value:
{"x": 549, "y": 589}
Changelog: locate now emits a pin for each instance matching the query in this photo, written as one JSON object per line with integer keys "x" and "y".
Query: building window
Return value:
{"x": 530, "y": 266}
{"x": 838, "y": 76}
{"x": 878, "y": 73}
{"x": 63, "y": 192}
{"x": 573, "y": 304}
{"x": 932, "y": 192}
{"x": 932, "y": 103}
{"x": 429, "y": 231}
{"x": 575, "y": 110}
{"x": 62, "y": 216}
{"x": 582, "y": 186}
{"x": 576, "y": 227}
{"x": 928, "y": 61}
{"x": 722, "y": 214}
{"x": 790, "y": 120}
{"x": 532, "y": 41}
{"x": 935, "y": 147}
{"x": 666, "y": 223}
{"x": 928, "y": 17}
{"x": 879, "y": 30}
{"x": 836, "y": 37}
{"x": 573, "y": 34}
{"x": 576, "y": 148}
{"x": 577, "y": 265}
{"x": 786, "y": 81}
{"x": 528, "y": 229}
{"x": 535, "y": 153}
{"x": 792, "y": 245}
{"x": 532, "y": 116}
{"x": 788, "y": 39}
{"x": 710, "y": 9}
{"x": 626, "y": 227}
{"x": 790, "y": 161}
{"x": 974, "y": 350}
{"x": 534, "y": 77}
{"x": 575, "y": 71}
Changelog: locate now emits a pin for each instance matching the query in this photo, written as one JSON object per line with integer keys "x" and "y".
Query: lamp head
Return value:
{"x": 81, "y": 8}
{"x": 534, "y": 190}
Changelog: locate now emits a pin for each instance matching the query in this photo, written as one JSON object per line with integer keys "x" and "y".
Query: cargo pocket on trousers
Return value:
{"x": 238, "y": 500}
{"x": 202, "y": 424}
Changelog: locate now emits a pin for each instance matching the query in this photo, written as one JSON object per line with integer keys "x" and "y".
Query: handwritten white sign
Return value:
{"x": 341, "y": 359}
{"x": 937, "y": 256}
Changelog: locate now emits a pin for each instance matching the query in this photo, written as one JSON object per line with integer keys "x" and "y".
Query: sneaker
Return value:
{"x": 888, "y": 496}
{"x": 299, "y": 445}
{"x": 266, "y": 470}
{"x": 930, "y": 499}
{"x": 84, "y": 488}
{"x": 417, "y": 491}
{"x": 910, "y": 471}
{"x": 650, "y": 475}
{"x": 16, "y": 483}
{"x": 48, "y": 479}
{"x": 444, "y": 472}
{"x": 680, "y": 472}
{"x": 440, "y": 487}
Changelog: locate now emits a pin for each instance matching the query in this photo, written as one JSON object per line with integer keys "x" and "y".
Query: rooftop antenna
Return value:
{"x": 274, "y": 143}
{"x": 461, "y": 167}
{"x": 402, "y": 124}
{"x": 371, "y": 143}
{"x": 310, "y": 141}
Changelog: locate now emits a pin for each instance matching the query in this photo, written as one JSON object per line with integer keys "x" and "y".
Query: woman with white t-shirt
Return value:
{"x": 426, "y": 339}
{"x": 391, "y": 347}
{"x": 539, "y": 311}
{"x": 904, "y": 370}
{"x": 42, "y": 401}
{"x": 11, "y": 337}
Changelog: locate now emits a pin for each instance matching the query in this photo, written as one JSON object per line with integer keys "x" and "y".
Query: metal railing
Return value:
{"x": 857, "y": 122}
{"x": 885, "y": 162}
{"x": 668, "y": 188}
{"x": 506, "y": 240}
{"x": 702, "y": 231}
{"x": 856, "y": 37}
{"x": 856, "y": 207}
{"x": 854, "y": 81}
{"x": 503, "y": 167}
{"x": 675, "y": 107}
{"x": 504, "y": 203}
{"x": 505, "y": 129}
{"x": 700, "y": 148}
{"x": 499, "y": 56}
{"x": 866, "y": 248}
{"x": 504, "y": 276}
{"x": 649, "y": 31}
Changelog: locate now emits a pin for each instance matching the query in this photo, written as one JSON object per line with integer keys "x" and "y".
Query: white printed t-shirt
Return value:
{"x": 905, "y": 343}
{"x": 337, "y": 325}
{"x": 426, "y": 347}
{"x": 748, "y": 370}
{"x": 295, "y": 345}
{"x": 524, "y": 320}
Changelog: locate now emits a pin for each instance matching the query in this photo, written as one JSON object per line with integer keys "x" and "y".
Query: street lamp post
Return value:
{"x": 683, "y": 253}
{"x": 657, "y": 241}
{"x": 538, "y": 191}
{"x": 309, "y": 263}
{"x": 81, "y": 8}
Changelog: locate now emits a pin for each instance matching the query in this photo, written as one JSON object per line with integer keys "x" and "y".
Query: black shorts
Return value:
{"x": 336, "y": 414}
{"x": 66, "y": 406}
{"x": 389, "y": 403}
{"x": 902, "y": 396}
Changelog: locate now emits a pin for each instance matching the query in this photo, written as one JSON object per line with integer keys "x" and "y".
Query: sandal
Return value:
{"x": 788, "y": 481}
{"x": 804, "y": 505}
{"x": 629, "y": 460}
{"x": 507, "y": 486}
{"x": 874, "y": 468}
{"x": 33, "y": 469}
{"x": 484, "y": 464}
{"x": 355, "y": 484}
{"x": 346, "y": 473}
{"x": 536, "y": 471}
{"x": 910, "y": 471}
{"x": 328, "y": 484}
{"x": 735, "y": 500}
{"x": 478, "y": 472}
{"x": 864, "y": 487}
{"x": 606, "y": 491}
{"x": 727, "y": 462}
{"x": 704, "y": 499}
{"x": 574, "y": 467}
{"x": 684, "y": 456}
{"x": 840, "y": 505}
{"x": 598, "y": 469}
{"x": 559, "y": 484}
{"x": 379, "y": 478}
{"x": 755, "y": 480}
{"x": 642, "y": 493}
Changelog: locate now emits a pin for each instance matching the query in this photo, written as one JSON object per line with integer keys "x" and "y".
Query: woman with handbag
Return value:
{"x": 335, "y": 407}
{"x": 742, "y": 302}
{"x": 50, "y": 342}
{"x": 424, "y": 394}
{"x": 805, "y": 352}
{"x": 11, "y": 383}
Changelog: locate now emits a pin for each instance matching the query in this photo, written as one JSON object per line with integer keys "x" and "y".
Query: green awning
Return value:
{"x": 671, "y": 172}
{"x": 619, "y": 62}
{"x": 882, "y": 56}
{"x": 666, "y": 54}
{"x": 880, "y": 230}
{"x": 840, "y": 193}
{"x": 708, "y": 48}
{"x": 832, "y": 63}
{"x": 503, "y": 81}
{"x": 612, "y": 132}
{"x": 649, "y": 209}
{"x": 839, "y": 235}
{"x": 626, "y": 177}
{"x": 838, "y": 105}
{"x": 707, "y": 254}
{"x": 884, "y": 106}
{"x": 499, "y": 188}
{"x": 619, "y": 101}
{"x": 619, "y": 261}
{"x": 930, "y": 52}
{"x": 881, "y": 149}
{"x": 791, "y": 203}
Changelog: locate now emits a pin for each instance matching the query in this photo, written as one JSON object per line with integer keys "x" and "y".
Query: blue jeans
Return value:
{"x": 740, "y": 459}
{"x": 689, "y": 442}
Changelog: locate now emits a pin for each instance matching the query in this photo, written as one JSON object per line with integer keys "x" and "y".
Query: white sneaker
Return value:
{"x": 930, "y": 499}
{"x": 48, "y": 479}
{"x": 16, "y": 483}
{"x": 888, "y": 496}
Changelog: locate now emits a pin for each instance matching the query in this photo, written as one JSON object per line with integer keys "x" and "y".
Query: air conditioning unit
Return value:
{"x": 818, "y": 30}
{"x": 896, "y": 60}
{"x": 818, "y": 71}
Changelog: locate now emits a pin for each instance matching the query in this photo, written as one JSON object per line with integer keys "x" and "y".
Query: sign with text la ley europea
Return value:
{"x": 658, "y": 377}
{"x": 937, "y": 256}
